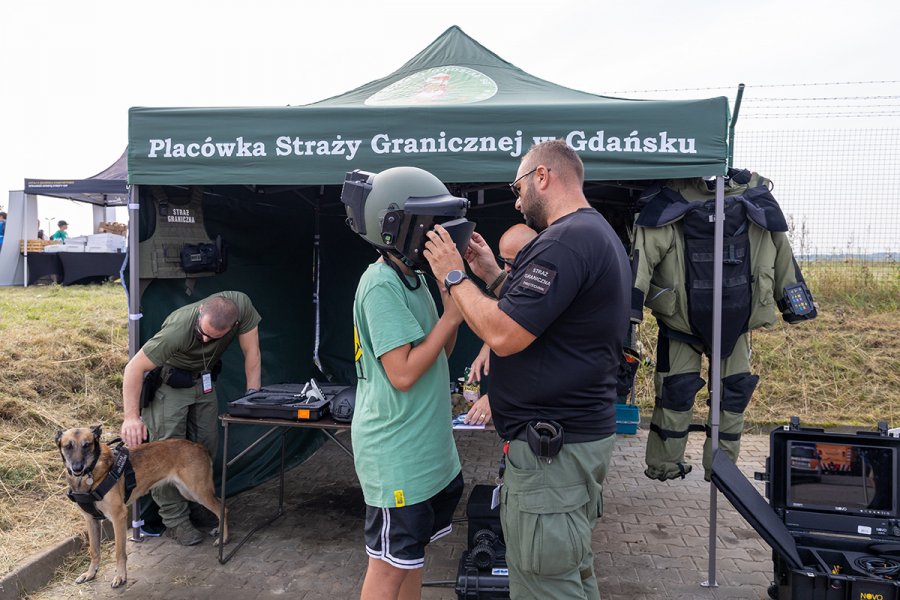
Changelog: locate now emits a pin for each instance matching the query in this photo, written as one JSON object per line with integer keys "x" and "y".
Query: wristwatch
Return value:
{"x": 454, "y": 277}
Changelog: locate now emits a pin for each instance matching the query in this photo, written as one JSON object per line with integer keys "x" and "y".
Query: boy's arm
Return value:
{"x": 405, "y": 364}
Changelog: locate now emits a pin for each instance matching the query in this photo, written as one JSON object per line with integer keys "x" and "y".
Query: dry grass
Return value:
{"x": 843, "y": 368}
{"x": 63, "y": 351}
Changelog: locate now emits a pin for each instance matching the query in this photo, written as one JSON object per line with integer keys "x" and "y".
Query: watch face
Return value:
{"x": 454, "y": 277}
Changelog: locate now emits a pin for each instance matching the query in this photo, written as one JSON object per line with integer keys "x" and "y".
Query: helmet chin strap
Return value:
{"x": 386, "y": 255}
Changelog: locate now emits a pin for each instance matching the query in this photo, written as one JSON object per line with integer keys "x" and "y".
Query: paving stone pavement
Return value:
{"x": 652, "y": 541}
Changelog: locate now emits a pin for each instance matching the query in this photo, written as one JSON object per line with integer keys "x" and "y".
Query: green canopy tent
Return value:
{"x": 271, "y": 181}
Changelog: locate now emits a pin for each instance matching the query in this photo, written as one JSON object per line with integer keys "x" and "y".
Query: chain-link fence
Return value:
{"x": 833, "y": 152}
{"x": 839, "y": 190}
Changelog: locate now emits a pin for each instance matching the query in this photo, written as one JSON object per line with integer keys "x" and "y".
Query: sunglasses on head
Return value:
{"x": 504, "y": 261}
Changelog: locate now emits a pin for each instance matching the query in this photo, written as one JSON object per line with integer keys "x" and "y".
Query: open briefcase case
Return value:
{"x": 833, "y": 517}
{"x": 293, "y": 401}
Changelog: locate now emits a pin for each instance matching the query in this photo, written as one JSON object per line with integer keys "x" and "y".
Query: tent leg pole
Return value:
{"x": 716, "y": 366}
{"x": 134, "y": 307}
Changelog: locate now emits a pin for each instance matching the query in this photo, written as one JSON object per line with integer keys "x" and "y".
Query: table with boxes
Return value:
{"x": 81, "y": 259}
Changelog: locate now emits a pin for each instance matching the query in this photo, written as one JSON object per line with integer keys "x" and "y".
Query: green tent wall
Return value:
{"x": 272, "y": 179}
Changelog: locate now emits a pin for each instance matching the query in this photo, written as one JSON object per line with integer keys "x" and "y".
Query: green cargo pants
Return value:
{"x": 182, "y": 413}
{"x": 548, "y": 512}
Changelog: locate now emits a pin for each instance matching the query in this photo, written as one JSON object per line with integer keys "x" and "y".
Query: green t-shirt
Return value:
{"x": 59, "y": 235}
{"x": 403, "y": 443}
{"x": 177, "y": 344}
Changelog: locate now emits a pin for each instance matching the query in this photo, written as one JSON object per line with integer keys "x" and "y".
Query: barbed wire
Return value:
{"x": 825, "y": 106}
{"x": 811, "y": 115}
{"x": 780, "y": 99}
{"x": 764, "y": 85}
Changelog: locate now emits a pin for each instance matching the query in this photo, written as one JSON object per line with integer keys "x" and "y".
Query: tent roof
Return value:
{"x": 514, "y": 86}
{"x": 455, "y": 109}
{"x": 107, "y": 188}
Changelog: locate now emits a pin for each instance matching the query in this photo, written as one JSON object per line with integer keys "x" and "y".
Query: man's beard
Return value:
{"x": 536, "y": 212}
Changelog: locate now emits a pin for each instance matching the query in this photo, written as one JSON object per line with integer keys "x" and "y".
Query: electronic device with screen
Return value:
{"x": 833, "y": 516}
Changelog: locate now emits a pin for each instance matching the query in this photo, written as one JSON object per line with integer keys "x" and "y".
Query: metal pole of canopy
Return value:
{"x": 734, "y": 118}
{"x": 716, "y": 366}
{"x": 134, "y": 315}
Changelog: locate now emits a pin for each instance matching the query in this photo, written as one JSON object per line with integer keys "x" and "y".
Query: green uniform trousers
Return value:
{"x": 675, "y": 390}
{"x": 181, "y": 413}
{"x": 548, "y": 512}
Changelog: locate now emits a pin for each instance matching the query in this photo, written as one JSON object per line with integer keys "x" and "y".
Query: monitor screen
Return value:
{"x": 850, "y": 478}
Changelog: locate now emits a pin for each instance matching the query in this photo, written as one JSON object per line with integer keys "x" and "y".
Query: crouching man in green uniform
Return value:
{"x": 187, "y": 348}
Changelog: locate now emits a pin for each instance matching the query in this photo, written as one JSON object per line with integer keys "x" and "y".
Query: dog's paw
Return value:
{"x": 118, "y": 581}
{"x": 86, "y": 576}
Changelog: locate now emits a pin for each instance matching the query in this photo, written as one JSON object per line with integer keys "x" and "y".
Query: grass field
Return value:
{"x": 62, "y": 352}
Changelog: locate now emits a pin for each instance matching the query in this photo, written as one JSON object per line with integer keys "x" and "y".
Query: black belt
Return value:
{"x": 571, "y": 438}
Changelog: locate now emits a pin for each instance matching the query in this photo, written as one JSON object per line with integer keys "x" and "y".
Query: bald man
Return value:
{"x": 511, "y": 242}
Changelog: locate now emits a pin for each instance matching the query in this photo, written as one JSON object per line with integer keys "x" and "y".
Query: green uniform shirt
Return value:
{"x": 177, "y": 344}
{"x": 59, "y": 235}
{"x": 403, "y": 444}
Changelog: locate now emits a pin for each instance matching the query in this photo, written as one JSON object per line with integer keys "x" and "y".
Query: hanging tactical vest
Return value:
{"x": 752, "y": 205}
{"x": 179, "y": 246}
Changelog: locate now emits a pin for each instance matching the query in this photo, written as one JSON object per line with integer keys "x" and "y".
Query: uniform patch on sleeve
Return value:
{"x": 537, "y": 277}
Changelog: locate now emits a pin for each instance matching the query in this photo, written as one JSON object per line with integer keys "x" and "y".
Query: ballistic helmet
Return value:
{"x": 394, "y": 209}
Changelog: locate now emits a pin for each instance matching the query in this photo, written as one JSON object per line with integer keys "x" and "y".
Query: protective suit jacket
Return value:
{"x": 673, "y": 264}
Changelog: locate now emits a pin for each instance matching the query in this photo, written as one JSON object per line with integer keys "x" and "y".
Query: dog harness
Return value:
{"x": 122, "y": 465}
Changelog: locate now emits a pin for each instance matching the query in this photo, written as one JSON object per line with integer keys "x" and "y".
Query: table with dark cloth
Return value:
{"x": 75, "y": 267}
{"x": 43, "y": 265}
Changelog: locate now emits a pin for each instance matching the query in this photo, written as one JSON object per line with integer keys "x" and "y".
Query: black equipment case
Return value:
{"x": 833, "y": 517}
{"x": 483, "y": 574}
{"x": 293, "y": 401}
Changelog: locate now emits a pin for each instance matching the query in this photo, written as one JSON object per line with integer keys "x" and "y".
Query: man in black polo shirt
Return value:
{"x": 556, "y": 335}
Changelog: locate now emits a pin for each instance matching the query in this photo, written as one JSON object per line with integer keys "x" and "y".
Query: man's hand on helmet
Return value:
{"x": 441, "y": 253}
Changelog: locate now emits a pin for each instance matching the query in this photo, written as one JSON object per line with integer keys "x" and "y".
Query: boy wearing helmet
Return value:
{"x": 404, "y": 452}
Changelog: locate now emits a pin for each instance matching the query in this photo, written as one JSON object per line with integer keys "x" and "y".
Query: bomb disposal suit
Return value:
{"x": 673, "y": 262}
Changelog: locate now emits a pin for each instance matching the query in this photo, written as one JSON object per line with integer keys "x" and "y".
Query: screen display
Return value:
{"x": 842, "y": 477}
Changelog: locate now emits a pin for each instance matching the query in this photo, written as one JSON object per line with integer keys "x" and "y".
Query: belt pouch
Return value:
{"x": 178, "y": 378}
{"x": 545, "y": 438}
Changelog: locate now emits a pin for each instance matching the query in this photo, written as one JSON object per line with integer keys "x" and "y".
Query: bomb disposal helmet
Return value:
{"x": 394, "y": 209}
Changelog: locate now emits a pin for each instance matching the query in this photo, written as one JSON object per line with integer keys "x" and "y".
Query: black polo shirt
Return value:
{"x": 570, "y": 287}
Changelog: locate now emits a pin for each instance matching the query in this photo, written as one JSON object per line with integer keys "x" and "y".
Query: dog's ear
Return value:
{"x": 59, "y": 433}
{"x": 97, "y": 430}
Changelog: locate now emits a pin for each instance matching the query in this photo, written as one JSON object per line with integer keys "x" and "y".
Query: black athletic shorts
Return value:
{"x": 398, "y": 536}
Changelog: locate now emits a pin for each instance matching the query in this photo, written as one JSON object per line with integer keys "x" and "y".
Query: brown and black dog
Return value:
{"x": 185, "y": 464}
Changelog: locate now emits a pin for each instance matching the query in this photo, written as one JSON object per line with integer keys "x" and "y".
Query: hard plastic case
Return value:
{"x": 819, "y": 544}
{"x": 285, "y": 401}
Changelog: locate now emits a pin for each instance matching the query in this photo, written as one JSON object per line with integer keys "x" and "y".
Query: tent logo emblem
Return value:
{"x": 438, "y": 85}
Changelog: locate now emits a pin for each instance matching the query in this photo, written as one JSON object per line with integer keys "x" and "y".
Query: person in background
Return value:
{"x": 187, "y": 348}
{"x": 61, "y": 233}
{"x": 511, "y": 242}
{"x": 2, "y": 226}
{"x": 556, "y": 336}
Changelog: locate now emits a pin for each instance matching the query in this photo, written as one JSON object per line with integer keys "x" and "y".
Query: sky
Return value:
{"x": 70, "y": 71}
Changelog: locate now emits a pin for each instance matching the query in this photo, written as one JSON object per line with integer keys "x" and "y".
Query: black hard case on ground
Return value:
{"x": 808, "y": 544}
{"x": 285, "y": 401}
{"x": 473, "y": 583}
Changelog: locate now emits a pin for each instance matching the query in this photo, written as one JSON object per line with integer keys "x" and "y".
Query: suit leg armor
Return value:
{"x": 677, "y": 382}
{"x": 737, "y": 389}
